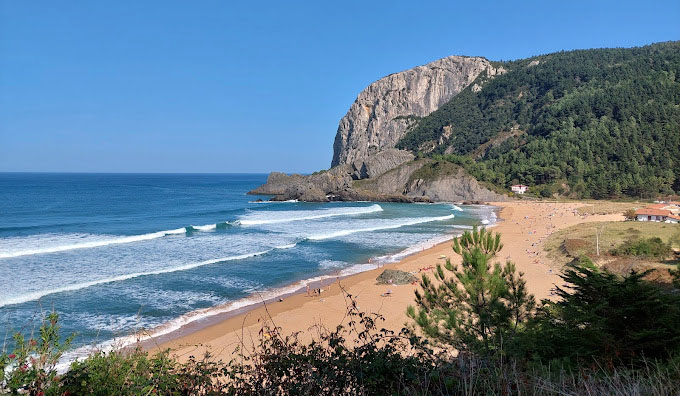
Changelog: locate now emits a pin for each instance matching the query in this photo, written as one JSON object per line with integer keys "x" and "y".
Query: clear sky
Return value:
{"x": 226, "y": 86}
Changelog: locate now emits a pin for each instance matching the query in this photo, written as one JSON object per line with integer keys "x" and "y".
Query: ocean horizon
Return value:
{"x": 114, "y": 253}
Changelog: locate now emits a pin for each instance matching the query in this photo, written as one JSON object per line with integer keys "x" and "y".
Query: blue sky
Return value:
{"x": 222, "y": 86}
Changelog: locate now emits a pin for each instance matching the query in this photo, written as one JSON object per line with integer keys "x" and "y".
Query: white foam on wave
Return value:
{"x": 98, "y": 241}
{"x": 285, "y": 216}
{"x": 77, "y": 286}
{"x": 55, "y": 243}
{"x": 288, "y": 246}
{"x": 392, "y": 258}
{"x": 330, "y": 264}
{"x": 259, "y": 297}
{"x": 208, "y": 227}
{"x": 200, "y": 314}
{"x": 389, "y": 226}
{"x": 107, "y": 322}
{"x": 36, "y": 295}
{"x": 456, "y": 208}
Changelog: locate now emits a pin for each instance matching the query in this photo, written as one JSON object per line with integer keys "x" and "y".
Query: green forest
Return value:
{"x": 601, "y": 123}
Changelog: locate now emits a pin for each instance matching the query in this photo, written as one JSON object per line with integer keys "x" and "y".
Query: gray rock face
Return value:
{"x": 367, "y": 166}
{"x": 336, "y": 181}
{"x": 395, "y": 277}
{"x": 380, "y": 163}
{"x": 453, "y": 188}
{"x": 378, "y": 118}
{"x": 306, "y": 187}
{"x": 454, "y": 185}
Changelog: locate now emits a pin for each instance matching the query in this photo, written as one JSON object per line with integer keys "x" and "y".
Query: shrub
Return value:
{"x": 630, "y": 214}
{"x": 31, "y": 367}
{"x": 136, "y": 372}
{"x": 650, "y": 247}
{"x": 603, "y": 318}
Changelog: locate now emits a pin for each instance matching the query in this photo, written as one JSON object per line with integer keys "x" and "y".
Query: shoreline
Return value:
{"x": 197, "y": 320}
{"x": 524, "y": 226}
{"x": 218, "y": 314}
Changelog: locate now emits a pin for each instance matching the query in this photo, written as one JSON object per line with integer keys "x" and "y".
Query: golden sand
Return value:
{"x": 524, "y": 227}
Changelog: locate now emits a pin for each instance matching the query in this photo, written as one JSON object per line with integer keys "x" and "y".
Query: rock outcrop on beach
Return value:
{"x": 383, "y": 111}
{"x": 395, "y": 277}
{"x": 366, "y": 165}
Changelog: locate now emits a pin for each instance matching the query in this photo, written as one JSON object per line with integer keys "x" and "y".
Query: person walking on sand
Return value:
{"x": 308, "y": 295}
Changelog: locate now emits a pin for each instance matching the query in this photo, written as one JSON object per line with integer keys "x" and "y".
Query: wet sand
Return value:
{"x": 524, "y": 227}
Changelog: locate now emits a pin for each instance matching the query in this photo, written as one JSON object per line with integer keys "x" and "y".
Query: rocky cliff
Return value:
{"x": 429, "y": 180}
{"x": 367, "y": 166}
{"x": 380, "y": 115}
{"x": 337, "y": 182}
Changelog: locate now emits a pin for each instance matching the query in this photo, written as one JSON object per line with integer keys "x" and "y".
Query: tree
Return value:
{"x": 481, "y": 306}
{"x": 601, "y": 316}
{"x": 675, "y": 274}
{"x": 630, "y": 214}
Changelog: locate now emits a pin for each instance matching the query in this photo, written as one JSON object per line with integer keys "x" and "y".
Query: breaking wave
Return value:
{"x": 285, "y": 216}
{"x": 36, "y": 295}
{"x": 74, "y": 241}
{"x": 388, "y": 226}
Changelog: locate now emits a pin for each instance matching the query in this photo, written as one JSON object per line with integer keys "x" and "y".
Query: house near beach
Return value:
{"x": 519, "y": 188}
{"x": 664, "y": 212}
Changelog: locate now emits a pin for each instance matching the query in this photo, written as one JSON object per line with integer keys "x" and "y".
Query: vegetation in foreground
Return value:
{"x": 475, "y": 330}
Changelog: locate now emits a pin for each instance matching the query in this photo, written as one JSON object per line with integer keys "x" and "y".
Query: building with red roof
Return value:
{"x": 655, "y": 213}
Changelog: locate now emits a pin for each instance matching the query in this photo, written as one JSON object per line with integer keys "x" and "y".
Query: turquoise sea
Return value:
{"x": 115, "y": 253}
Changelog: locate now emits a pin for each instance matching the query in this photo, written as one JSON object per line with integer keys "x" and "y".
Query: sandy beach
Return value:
{"x": 524, "y": 227}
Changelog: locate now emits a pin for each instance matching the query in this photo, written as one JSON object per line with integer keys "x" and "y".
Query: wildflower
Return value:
{"x": 12, "y": 356}
{"x": 33, "y": 342}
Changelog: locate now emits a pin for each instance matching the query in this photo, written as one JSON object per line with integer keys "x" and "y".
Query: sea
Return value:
{"x": 114, "y": 254}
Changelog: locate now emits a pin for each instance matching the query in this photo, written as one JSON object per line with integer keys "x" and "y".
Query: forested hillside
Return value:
{"x": 588, "y": 123}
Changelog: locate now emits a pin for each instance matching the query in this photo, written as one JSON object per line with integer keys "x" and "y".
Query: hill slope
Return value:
{"x": 589, "y": 123}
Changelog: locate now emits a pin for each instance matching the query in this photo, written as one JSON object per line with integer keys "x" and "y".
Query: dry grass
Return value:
{"x": 609, "y": 207}
{"x": 580, "y": 240}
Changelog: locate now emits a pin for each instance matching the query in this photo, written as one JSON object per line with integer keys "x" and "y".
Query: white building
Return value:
{"x": 657, "y": 215}
{"x": 519, "y": 188}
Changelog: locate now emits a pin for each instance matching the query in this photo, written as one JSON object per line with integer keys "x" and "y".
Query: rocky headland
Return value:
{"x": 366, "y": 166}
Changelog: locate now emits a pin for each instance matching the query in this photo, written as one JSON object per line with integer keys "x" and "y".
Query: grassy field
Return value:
{"x": 580, "y": 240}
{"x": 609, "y": 207}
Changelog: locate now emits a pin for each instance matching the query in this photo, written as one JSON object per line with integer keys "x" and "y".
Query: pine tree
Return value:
{"x": 478, "y": 308}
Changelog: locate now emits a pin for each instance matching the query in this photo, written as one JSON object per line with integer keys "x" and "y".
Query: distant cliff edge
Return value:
{"x": 367, "y": 166}
{"x": 382, "y": 112}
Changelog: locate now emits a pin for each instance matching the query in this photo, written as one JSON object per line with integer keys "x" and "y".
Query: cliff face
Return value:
{"x": 337, "y": 182}
{"x": 452, "y": 184}
{"x": 379, "y": 116}
{"x": 367, "y": 166}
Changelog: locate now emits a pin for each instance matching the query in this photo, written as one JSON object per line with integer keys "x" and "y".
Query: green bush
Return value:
{"x": 650, "y": 247}
{"x": 603, "y": 318}
{"x": 31, "y": 366}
